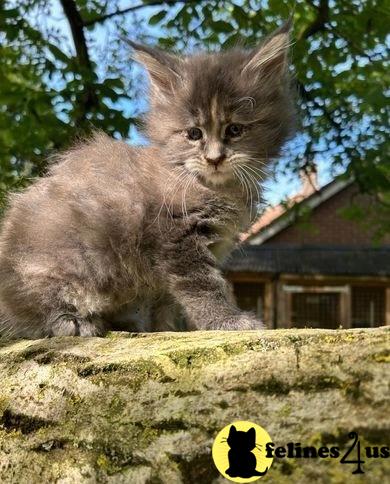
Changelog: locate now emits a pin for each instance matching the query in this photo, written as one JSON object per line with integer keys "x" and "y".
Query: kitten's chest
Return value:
{"x": 228, "y": 235}
{"x": 218, "y": 217}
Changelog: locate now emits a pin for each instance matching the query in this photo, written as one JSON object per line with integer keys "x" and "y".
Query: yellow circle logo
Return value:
{"x": 239, "y": 452}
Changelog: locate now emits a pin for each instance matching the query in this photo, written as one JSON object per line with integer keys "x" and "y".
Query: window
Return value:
{"x": 368, "y": 306}
{"x": 250, "y": 297}
{"x": 315, "y": 309}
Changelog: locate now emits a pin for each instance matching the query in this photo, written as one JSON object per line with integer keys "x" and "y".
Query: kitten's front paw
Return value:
{"x": 241, "y": 322}
{"x": 248, "y": 321}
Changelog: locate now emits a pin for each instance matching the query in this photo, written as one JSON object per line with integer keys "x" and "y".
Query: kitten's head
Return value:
{"x": 221, "y": 116}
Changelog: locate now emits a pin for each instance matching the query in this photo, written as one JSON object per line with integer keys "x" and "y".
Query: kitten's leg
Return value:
{"x": 166, "y": 315}
{"x": 49, "y": 297}
{"x": 199, "y": 287}
{"x": 130, "y": 317}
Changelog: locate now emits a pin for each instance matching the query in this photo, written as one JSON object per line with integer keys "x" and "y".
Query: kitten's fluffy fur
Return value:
{"x": 114, "y": 230}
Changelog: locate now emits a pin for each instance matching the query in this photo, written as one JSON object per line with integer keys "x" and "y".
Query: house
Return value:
{"x": 305, "y": 265}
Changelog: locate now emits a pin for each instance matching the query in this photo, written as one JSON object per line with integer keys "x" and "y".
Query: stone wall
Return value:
{"x": 145, "y": 408}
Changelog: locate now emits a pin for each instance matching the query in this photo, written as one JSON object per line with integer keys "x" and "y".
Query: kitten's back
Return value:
{"x": 74, "y": 225}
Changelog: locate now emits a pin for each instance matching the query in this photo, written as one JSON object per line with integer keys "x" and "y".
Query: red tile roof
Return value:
{"x": 309, "y": 186}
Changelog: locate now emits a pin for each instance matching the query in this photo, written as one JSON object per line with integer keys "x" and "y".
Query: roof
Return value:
{"x": 275, "y": 219}
{"x": 311, "y": 260}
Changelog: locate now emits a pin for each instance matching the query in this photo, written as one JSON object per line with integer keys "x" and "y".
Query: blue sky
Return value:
{"x": 276, "y": 188}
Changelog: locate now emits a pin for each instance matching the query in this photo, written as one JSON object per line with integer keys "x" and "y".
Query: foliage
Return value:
{"x": 56, "y": 83}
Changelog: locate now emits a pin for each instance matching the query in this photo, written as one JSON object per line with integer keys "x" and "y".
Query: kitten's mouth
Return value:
{"x": 212, "y": 175}
{"x": 217, "y": 175}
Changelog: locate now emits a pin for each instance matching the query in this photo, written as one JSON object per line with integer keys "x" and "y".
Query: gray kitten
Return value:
{"x": 122, "y": 237}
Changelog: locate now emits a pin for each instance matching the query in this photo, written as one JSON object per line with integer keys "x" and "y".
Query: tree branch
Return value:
{"x": 88, "y": 99}
{"x": 319, "y": 22}
{"x": 134, "y": 8}
{"x": 77, "y": 27}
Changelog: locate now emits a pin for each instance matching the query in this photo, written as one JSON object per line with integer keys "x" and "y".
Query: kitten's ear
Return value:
{"x": 271, "y": 57}
{"x": 163, "y": 68}
{"x": 232, "y": 430}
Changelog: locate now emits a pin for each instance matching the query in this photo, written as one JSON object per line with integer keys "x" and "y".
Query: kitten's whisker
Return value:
{"x": 255, "y": 170}
{"x": 243, "y": 184}
{"x": 170, "y": 187}
{"x": 181, "y": 179}
{"x": 249, "y": 154}
{"x": 260, "y": 170}
{"x": 237, "y": 175}
{"x": 247, "y": 158}
{"x": 161, "y": 208}
{"x": 247, "y": 179}
{"x": 249, "y": 193}
{"x": 181, "y": 187}
{"x": 190, "y": 180}
{"x": 243, "y": 101}
{"x": 255, "y": 182}
{"x": 256, "y": 178}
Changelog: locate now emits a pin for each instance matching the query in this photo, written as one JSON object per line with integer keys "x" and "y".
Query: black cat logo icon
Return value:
{"x": 239, "y": 452}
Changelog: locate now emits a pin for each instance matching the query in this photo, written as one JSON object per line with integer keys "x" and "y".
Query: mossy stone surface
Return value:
{"x": 145, "y": 408}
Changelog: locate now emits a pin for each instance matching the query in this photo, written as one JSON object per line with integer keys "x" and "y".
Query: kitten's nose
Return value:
{"x": 215, "y": 160}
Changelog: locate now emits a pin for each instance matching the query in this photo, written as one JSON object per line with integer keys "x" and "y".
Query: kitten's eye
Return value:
{"x": 194, "y": 134}
{"x": 234, "y": 130}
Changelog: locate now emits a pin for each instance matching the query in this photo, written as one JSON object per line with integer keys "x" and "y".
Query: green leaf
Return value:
{"x": 58, "y": 54}
{"x": 10, "y": 13}
{"x": 222, "y": 26}
{"x": 240, "y": 15}
{"x": 158, "y": 17}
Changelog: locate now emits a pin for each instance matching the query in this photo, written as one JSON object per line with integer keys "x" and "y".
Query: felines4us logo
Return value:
{"x": 243, "y": 452}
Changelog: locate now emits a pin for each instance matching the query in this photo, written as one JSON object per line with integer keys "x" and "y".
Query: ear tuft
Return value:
{"x": 271, "y": 56}
{"x": 163, "y": 68}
